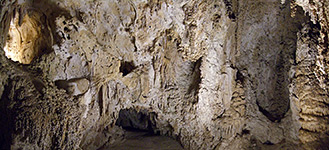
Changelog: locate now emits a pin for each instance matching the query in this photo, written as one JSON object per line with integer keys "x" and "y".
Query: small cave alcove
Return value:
{"x": 140, "y": 132}
{"x": 126, "y": 67}
{"x": 137, "y": 121}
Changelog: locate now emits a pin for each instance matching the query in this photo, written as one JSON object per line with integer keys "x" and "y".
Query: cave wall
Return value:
{"x": 215, "y": 74}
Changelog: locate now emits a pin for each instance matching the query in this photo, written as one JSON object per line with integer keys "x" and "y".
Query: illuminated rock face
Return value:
{"x": 231, "y": 74}
{"x": 28, "y": 36}
{"x": 310, "y": 87}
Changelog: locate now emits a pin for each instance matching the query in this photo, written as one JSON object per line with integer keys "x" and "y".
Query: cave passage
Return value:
{"x": 132, "y": 120}
{"x": 141, "y": 132}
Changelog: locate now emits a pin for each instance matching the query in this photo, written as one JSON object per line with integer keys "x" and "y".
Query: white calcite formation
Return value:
{"x": 215, "y": 74}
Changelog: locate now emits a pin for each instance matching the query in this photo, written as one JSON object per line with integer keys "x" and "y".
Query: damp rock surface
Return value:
{"x": 215, "y": 74}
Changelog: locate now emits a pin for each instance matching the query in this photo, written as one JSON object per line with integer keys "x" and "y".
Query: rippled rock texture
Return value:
{"x": 228, "y": 74}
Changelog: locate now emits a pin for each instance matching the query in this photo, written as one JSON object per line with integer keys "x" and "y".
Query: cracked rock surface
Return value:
{"x": 227, "y": 74}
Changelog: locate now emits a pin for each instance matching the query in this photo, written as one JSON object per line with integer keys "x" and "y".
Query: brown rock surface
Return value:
{"x": 211, "y": 74}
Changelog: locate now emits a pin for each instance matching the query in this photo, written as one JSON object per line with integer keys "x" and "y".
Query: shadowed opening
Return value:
{"x": 141, "y": 132}
{"x": 126, "y": 67}
{"x": 132, "y": 120}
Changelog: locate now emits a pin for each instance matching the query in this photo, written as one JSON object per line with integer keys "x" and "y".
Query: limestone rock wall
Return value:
{"x": 310, "y": 83}
{"x": 214, "y": 74}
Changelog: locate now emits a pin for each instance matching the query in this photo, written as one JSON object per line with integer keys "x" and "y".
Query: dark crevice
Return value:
{"x": 268, "y": 114}
{"x": 196, "y": 78}
{"x": 100, "y": 100}
{"x": 268, "y": 143}
{"x": 62, "y": 84}
{"x": 137, "y": 121}
{"x": 127, "y": 67}
{"x": 245, "y": 131}
{"x": 6, "y": 120}
{"x": 239, "y": 77}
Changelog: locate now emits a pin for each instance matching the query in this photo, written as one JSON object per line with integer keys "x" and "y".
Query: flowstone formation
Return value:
{"x": 229, "y": 74}
{"x": 28, "y": 35}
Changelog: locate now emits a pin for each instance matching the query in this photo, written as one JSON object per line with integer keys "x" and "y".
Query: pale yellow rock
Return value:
{"x": 28, "y": 36}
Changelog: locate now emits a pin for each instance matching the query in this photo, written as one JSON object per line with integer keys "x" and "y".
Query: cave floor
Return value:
{"x": 145, "y": 141}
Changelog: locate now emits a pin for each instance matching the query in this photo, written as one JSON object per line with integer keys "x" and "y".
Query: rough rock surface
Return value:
{"x": 211, "y": 74}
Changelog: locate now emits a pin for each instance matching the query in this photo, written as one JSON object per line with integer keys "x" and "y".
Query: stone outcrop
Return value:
{"x": 211, "y": 74}
{"x": 28, "y": 35}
